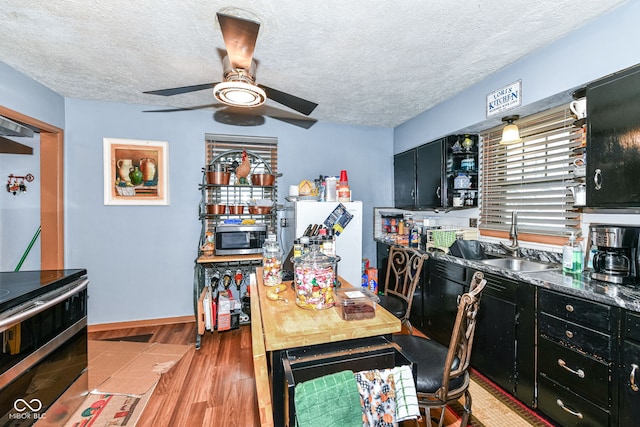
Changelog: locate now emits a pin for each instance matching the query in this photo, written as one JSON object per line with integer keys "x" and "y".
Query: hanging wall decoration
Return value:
{"x": 16, "y": 184}
{"x": 135, "y": 172}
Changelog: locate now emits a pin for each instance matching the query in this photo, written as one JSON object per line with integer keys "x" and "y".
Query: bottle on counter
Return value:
{"x": 572, "y": 256}
{"x": 271, "y": 261}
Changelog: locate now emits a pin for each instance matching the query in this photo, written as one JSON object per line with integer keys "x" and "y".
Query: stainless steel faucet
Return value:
{"x": 513, "y": 235}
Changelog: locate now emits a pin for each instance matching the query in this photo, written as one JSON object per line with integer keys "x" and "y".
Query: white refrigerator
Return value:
{"x": 348, "y": 243}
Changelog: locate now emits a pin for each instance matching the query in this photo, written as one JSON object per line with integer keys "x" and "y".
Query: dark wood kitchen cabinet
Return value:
{"x": 446, "y": 281}
{"x": 418, "y": 178}
{"x": 629, "y": 374}
{"x": 504, "y": 345}
{"x": 577, "y": 360}
{"x": 613, "y": 137}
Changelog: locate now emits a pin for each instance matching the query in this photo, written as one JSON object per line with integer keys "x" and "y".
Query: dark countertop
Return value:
{"x": 579, "y": 285}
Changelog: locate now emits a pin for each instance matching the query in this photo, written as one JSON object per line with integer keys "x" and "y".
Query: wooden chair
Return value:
{"x": 403, "y": 273}
{"x": 443, "y": 371}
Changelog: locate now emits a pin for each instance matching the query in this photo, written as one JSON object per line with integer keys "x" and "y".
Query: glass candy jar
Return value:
{"x": 271, "y": 262}
{"x": 314, "y": 279}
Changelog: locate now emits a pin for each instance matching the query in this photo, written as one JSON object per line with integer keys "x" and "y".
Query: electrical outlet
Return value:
{"x": 473, "y": 222}
{"x": 284, "y": 222}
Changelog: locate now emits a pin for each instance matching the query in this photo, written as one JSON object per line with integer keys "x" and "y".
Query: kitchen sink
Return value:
{"x": 518, "y": 264}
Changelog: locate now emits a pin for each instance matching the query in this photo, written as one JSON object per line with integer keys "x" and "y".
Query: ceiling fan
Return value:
{"x": 238, "y": 87}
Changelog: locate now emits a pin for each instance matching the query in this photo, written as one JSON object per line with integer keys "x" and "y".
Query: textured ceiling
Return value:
{"x": 364, "y": 62}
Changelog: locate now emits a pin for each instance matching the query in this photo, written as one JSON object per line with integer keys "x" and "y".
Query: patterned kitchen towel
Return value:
{"x": 329, "y": 401}
{"x": 406, "y": 399}
{"x": 377, "y": 393}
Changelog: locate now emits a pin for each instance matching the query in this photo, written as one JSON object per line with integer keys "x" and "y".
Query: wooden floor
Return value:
{"x": 213, "y": 386}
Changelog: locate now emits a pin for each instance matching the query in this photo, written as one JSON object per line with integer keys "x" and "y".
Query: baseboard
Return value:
{"x": 140, "y": 323}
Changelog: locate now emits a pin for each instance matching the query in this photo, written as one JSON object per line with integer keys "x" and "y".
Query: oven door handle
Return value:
{"x": 39, "y": 306}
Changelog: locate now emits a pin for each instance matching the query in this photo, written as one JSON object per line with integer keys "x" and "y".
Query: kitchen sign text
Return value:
{"x": 504, "y": 99}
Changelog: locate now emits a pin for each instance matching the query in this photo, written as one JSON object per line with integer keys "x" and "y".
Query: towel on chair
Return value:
{"x": 329, "y": 401}
{"x": 406, "y": 398}
{"x": 378, "y": 397}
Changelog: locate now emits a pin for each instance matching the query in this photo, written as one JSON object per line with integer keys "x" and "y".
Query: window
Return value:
{"x": 533, "y": 177}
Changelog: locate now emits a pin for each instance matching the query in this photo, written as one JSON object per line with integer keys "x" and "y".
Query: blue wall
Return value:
{"x": 141, "y": 258}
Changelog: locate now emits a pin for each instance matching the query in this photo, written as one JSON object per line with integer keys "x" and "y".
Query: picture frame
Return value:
{"x": 135, "y": 172}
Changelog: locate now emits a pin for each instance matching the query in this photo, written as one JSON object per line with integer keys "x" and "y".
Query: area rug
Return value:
{"x": 492, "y": 407}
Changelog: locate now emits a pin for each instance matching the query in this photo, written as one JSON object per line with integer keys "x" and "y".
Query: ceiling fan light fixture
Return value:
{"x": 510, "y": 133}
{"x": 239, "y": 94}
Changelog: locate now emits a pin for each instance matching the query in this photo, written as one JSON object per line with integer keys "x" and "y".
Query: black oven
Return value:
{"x": 240, "y": 239}
{"x": 43, "y": 359}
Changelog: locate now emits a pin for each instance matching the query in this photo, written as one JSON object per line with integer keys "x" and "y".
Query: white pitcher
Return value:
{"x": 124, "y": 166}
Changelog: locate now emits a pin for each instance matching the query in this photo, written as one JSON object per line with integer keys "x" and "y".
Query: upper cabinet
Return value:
{"x": 418, "y": 176}
{"x": 613, "y": 140}
{"x": 442, "y": 173}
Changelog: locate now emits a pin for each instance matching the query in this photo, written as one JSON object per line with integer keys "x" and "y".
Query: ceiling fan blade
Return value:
{"x": 300, "y": 105}
{"x": 173, "y": 110}
{"x": 300, "y": 122}
{"x": 240, "y": 36}
{"x": 183, "y": 89}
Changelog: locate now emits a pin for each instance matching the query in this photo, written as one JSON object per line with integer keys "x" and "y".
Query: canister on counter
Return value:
{"x": 314, "y": 279}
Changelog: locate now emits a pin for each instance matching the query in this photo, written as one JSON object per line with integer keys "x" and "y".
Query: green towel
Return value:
{"x": 329, "y": 401}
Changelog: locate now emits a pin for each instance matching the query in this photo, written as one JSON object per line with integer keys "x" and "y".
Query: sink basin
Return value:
{"x": 518, "y": 264}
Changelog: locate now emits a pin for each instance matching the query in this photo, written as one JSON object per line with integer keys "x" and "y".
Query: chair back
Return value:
{"x": 403, "y": 273}
{"x": 462, "y": 335}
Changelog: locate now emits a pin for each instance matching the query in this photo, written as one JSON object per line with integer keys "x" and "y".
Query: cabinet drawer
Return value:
{"x": 589, "y": 377}
{"x": 587, "y": 313}
{"x": 571, "y": 334}
{"x": 632, "y": 326}
{"x": 448, "y": 270}
{"x": 567, "y": 408}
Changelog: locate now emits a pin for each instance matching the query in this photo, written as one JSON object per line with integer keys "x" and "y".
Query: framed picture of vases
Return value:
{"x": 135, "y": 172}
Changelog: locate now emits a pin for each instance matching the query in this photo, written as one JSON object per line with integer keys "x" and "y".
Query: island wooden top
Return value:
{"x": 285, "y": 325}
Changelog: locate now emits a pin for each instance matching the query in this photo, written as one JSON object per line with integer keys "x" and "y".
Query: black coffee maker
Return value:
{"x": 616, "y": 258}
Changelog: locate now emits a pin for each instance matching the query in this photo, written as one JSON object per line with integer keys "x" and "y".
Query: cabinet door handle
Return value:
{"x": 438, "y": 192}
{"x": 632, "y": 377}
{"x": 569, "y": 308}
{"x": 569, "y": 334}
{"x": 579, "y": 372}
{"x": 597, "y": 179}
{"x": 413, "y": 194}
{"x": 574, "y": 413}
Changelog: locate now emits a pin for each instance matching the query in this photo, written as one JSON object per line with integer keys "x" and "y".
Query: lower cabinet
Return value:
{"x": 577, "y": 354}
{"x": 629, "y": 373}
{"x": 440, "y": 294}
{"x": 504, "y": 344}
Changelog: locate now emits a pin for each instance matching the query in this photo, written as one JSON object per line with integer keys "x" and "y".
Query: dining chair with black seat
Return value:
{"x": 443, "y": 372}
{"x": 404, "y": 269}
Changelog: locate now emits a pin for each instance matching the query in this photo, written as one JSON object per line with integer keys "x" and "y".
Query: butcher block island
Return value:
{"x": 280, "y": 326}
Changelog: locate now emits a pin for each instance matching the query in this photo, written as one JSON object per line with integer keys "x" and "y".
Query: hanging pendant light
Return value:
{"x": 510, "y": 133}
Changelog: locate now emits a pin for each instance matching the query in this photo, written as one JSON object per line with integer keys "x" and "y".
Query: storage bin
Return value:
{"x": 356, "y": 303}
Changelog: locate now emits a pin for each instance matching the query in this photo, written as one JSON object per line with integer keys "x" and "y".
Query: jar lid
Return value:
{"x": 315, "y": 258}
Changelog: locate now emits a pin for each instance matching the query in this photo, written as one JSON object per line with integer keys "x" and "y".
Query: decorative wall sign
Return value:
{"x": 135, "y": 172}
{"x": 504, "y": 99}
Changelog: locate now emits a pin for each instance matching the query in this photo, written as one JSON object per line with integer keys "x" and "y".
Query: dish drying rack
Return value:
{"x": 442, "y": 237}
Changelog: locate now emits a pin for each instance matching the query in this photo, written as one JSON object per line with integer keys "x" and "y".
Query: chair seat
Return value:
{"x": 430, "y": 357}
{"x": 394, "y": 305}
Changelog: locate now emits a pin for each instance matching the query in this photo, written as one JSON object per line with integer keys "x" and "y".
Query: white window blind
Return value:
{"x": 532, "y": 177}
